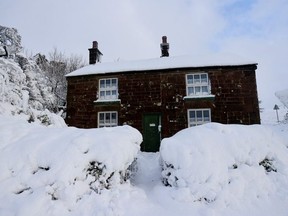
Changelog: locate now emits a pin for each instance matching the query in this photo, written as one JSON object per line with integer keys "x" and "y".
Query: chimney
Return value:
{"x": 94, "y": 53}
{"x": 164, "y": 47}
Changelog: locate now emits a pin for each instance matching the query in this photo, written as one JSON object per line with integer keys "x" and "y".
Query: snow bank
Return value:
{"x": 56, "y": 168}
{"x": 227, "y": 163}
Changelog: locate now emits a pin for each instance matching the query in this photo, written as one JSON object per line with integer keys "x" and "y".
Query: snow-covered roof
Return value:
{"x": 159, "y": 64}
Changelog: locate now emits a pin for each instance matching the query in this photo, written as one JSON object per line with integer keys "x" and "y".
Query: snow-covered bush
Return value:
{"x": 32, "y": 84}
{"x": 10, "y": 38}
{"x": 225, "y": 162}
{"x": 40, "y": 94}
{"x": 57, "y": 168}
{"x": 24, "y": 91}
{"x": 23, "y": 84}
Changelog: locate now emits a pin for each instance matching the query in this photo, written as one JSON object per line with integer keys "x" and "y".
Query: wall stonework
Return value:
{"x": 163, "y": 91}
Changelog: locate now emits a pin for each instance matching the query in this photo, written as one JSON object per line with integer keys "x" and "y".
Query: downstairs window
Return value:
{"x": 107, "y": 119}
{"x": 198, "y": 117}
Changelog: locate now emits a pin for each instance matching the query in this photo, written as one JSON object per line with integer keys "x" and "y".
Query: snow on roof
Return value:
{"x": 160, "y": 63}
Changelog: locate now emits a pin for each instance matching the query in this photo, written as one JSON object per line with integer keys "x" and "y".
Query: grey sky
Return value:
{"x": 256, "y": 30}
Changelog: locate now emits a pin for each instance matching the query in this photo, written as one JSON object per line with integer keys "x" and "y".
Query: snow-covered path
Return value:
{"x": 151, "y": 196}
{"x": 148, "y": 173}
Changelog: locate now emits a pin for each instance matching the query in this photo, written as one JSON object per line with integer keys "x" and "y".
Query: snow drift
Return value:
{"x": 48, "y": 171}
{"x": 227, "y": 163}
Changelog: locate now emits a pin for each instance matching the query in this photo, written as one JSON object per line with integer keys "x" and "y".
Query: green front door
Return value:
{"x": 151, "y": 133}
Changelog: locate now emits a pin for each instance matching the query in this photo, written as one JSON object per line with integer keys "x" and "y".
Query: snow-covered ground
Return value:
{"x": 68, "y": 171}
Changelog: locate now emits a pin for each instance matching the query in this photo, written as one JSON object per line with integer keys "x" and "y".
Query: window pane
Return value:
{"x": 205, "y": 89}
{"x": 204, "y": 78}
{"x": 192, "y": 114}
{"x": 102, "y": 94}
{"x": 108, "y": 83}
{"x": 114, "y": 82}
{"x": 190, "y": 90}
{"x": 206, "y": 113}
{"x": 197, "y": 90}
{"x": 108, "y": 93}
{"x": 206, "y": 116}
{"x": 190, "y": 79}
{"x": 102, "y": 83}
{"x": 107, "y": 118}
{"x": 113, "y": 118}
{"x": 114, "y": 92}
{"x": 101, "y": 116}
{"x": 199, "y": 115}
{"x": 197, "y": 78}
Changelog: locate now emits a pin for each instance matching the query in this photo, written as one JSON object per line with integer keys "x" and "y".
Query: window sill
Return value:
{"x": 107, "y": 102}
{"x": 199, "y": 97}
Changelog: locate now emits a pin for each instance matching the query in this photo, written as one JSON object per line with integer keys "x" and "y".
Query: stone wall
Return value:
{"x": 163, "y": 92}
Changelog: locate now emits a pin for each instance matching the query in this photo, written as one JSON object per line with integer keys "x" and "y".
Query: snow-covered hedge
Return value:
{"x": 226, "y": 162}
{"x": 57, "y": 167}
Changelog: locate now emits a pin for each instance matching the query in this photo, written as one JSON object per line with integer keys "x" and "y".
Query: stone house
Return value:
{"x": 161, "y": 96}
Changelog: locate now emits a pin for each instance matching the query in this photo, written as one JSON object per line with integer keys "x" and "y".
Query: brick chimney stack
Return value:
{"x": 94, "y": 53}
{"x": 164, "y": 47}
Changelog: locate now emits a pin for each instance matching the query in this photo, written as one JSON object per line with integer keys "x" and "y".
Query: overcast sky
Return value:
{"x": 256, "y": 30}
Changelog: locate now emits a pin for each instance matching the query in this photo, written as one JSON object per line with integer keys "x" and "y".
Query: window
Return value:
{"x": 107, "y": 119}
{"x": 197, "y": 84}
{"x": 108, "y": 89}
{"x": 198, "y": 116}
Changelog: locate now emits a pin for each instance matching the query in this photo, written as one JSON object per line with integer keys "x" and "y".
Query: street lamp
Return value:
{"x": 276, "y": 108}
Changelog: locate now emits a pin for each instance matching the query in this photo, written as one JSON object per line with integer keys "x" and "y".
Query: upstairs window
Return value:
{"x": 198, "y": 117}
{"x": 108, "y": 89}
{"x": 197, "y": 84}
{"x": 107, "y": 119}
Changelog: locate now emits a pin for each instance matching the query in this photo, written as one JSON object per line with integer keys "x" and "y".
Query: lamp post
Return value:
{"x": 276, "y": 108}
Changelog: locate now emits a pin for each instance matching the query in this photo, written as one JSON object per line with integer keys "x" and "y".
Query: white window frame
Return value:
{"x": 107, "y": 120}
{"x": 108, "y": 89}
{"x": 198, "y": 121}
{"x": 197, "y": 84}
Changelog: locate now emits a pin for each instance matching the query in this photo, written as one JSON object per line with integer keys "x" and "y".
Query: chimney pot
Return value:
{"x": 95, "y": 44}
{"x": 164, "y": 39}
{"x": 164, "y": 47}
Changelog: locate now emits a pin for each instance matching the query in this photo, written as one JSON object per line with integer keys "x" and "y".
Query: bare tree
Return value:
{"x": 56, "y": 68}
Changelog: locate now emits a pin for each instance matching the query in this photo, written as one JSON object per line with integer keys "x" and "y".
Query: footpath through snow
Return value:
{"x": 148, "y": 172}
